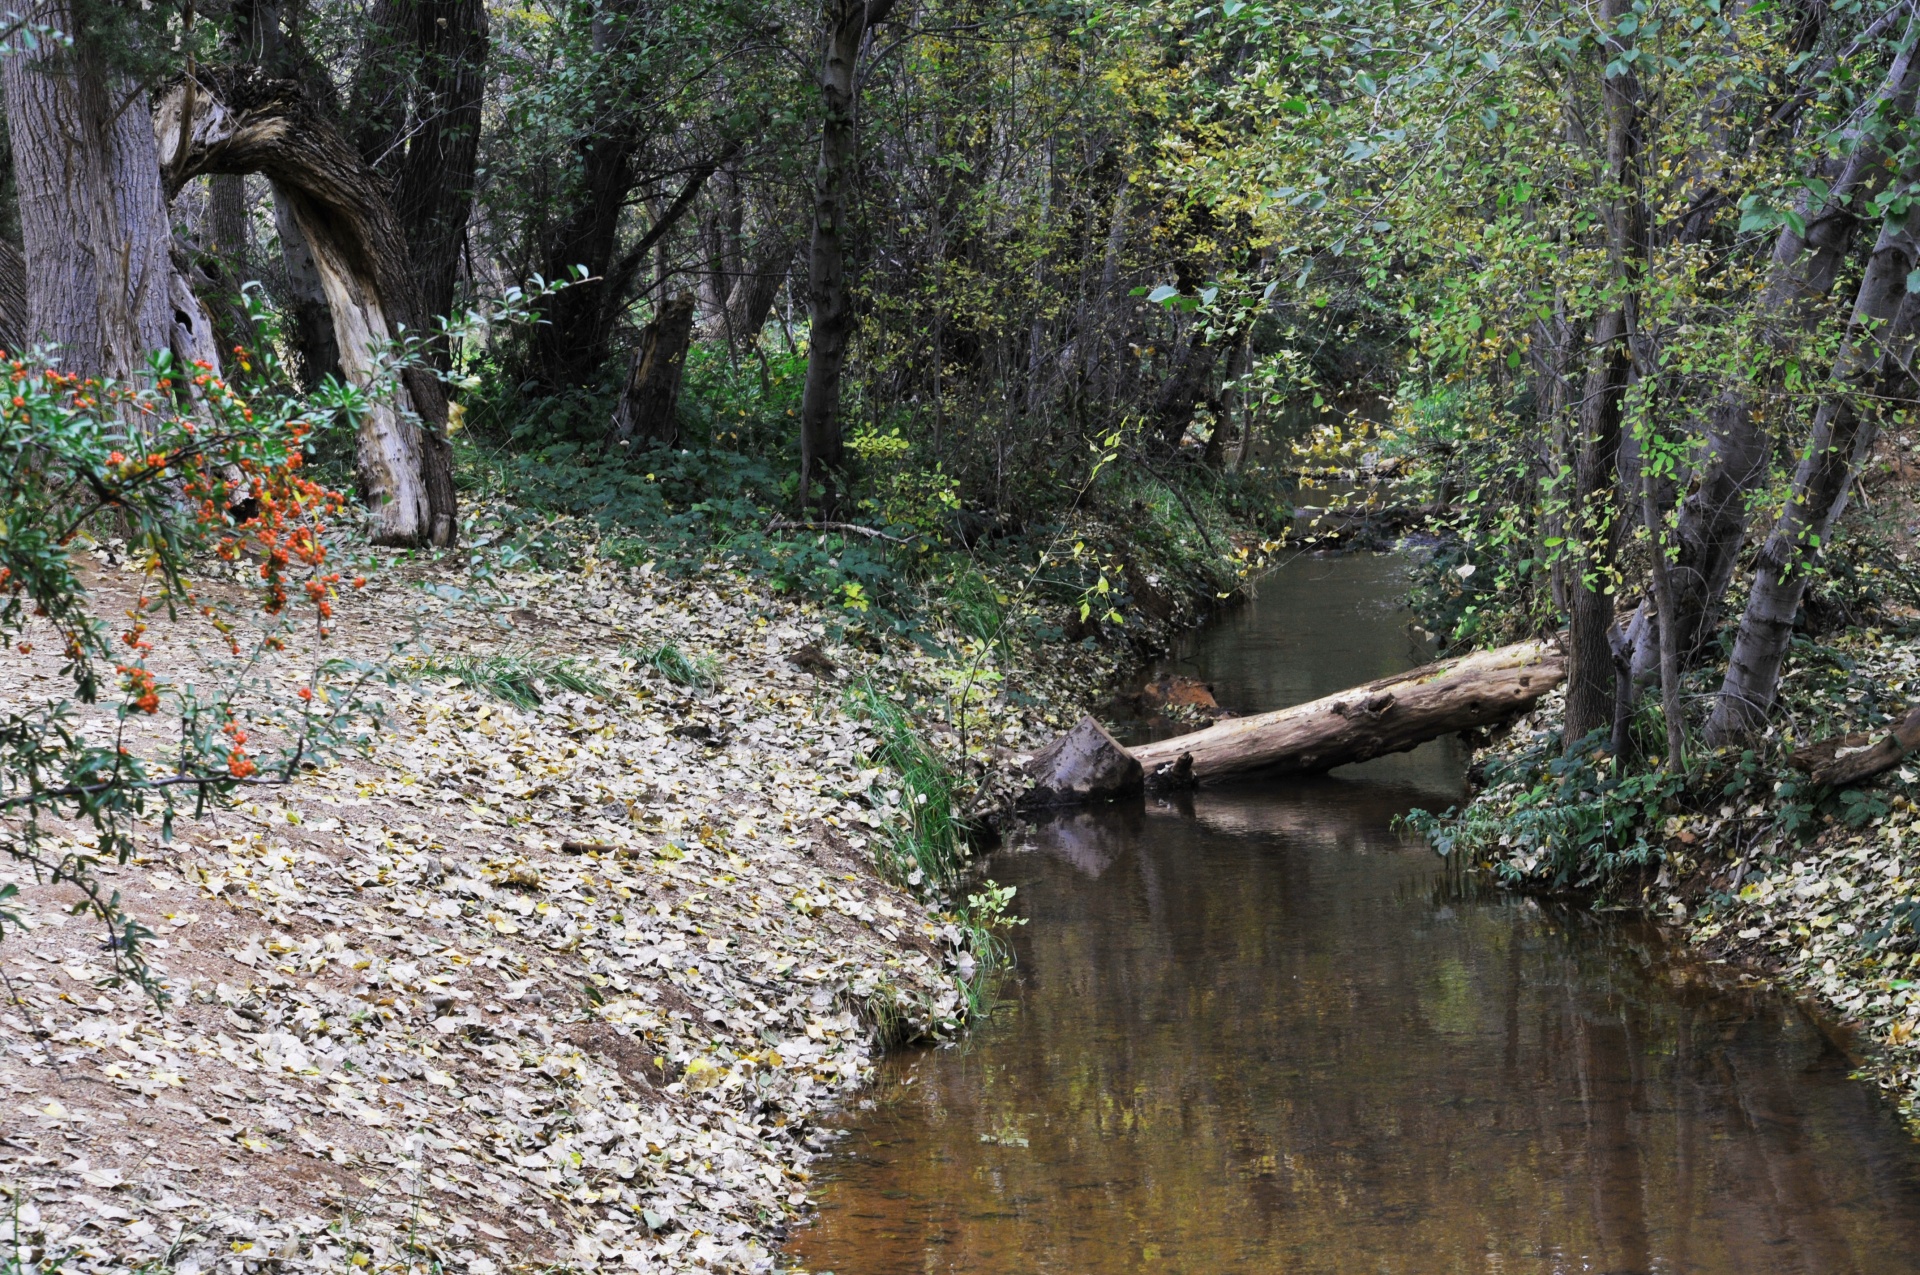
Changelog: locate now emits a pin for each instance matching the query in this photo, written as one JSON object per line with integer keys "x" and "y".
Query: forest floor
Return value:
{"x": 563, "y": 985}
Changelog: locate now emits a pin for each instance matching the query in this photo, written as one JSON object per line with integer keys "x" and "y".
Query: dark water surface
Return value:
{"x": 1259, "y": 1032}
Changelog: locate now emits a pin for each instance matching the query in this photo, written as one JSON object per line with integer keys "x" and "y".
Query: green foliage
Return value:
{"x": 520, "y": 678}
{"x": 924, "y": 847}
{"x": 210, "y": 480}
{"x": 1571, "y": 821}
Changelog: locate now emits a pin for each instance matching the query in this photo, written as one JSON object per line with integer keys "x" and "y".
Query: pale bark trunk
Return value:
{"x": 1871, "y": 365}
{"x": 93, "y": 220}
{"x": 829, "y": 300}
{"x": 244, "y": 123}
{"x": 313, "y": 335}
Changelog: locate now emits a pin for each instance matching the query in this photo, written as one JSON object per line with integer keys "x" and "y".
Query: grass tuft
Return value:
{"x": 519, "y": 678}
{"x": 925, "y": 848}
{"x": 699, "y": 674}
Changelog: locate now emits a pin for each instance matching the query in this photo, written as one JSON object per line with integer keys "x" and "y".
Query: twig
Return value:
{"x": 787, "y": 524}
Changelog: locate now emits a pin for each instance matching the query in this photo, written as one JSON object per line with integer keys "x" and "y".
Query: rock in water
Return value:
{"x": 1085, "y": 764}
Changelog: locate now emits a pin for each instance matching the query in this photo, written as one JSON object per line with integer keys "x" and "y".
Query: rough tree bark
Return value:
{"x": 420, "y": 128}
{"x": 754, "y": 293}
{"x": 95, "y": 238}
{"x": 13, "y": 298}
{"x": 649, "y": 403}
{"x": 829, "y": 301}
{"x": 1872, "y": 365}
{"x": 245, "y": 122}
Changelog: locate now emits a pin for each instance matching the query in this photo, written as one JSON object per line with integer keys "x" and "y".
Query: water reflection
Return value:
{"x": 1259, "y": 1032}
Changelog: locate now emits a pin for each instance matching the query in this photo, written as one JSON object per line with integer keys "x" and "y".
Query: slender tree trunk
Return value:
{"x": 829, "y": 299}
{"x": 1594, "y": 527}
{"x": 95, "y": 238}
{"x": 1712, "y": 527}
{"x": 1591, "y": 684}
{"x": 1870, "y": 366}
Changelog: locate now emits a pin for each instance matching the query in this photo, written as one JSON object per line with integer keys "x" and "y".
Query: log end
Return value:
{"x": 1085, "y": 764}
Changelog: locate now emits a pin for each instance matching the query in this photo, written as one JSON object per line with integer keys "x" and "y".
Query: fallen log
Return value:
{"x": 1390, "y": 715}
{"x": 1835, "y": 763}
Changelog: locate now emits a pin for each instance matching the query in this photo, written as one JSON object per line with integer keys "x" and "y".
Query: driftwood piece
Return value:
{"x": 1848, "y": 759}
{"x": 1085, "y": 764}
{"x": 1391, "y": 715}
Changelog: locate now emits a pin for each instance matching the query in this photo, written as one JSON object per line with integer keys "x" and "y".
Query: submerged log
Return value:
{"x": 1390, "y": 715}
{"x": 1085, "y": 764}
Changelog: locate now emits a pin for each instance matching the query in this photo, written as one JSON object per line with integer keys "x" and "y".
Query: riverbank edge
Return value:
{"x": 1823, "y": 915}
{"x": 256, "y": 1041}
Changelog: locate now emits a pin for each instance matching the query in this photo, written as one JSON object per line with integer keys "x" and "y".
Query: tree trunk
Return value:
{"x": 1390, "y": 715}
{"x": 650, "y": 400}
{"x": 1869, "y": 368}
{"x": 1594, "y": 522}
{"x": 313, "y": 336}
{"x": 94, "y": 228}
{"x": 418, "y": 93}
{"x": 1180, "y": 393}
{"x": 245, "y": 122}
{"x": 13, "y": 298}
{"x": 754, "y": 293}
{"x": 829, "y": 300}
{"x": 1593, "y": 525}
{"x": 1713, "y": 520}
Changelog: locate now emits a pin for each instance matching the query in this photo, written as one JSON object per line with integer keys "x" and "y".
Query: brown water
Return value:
{"x": 1259, "y": 1032}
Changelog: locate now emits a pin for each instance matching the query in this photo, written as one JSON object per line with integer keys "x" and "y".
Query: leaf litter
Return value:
{"x": 556, "y": 979}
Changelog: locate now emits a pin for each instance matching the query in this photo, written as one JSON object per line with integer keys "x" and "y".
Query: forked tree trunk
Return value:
{"x": 245, "y": 122}
{"x": 649, "y": 406}
{"x": 95, "y": 238}
{"x": 829, "y": 299}
{"x": 1871, "y": 367}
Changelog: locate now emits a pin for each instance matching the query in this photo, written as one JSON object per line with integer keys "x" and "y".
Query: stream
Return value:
{"x": 1260, "y": 1030}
